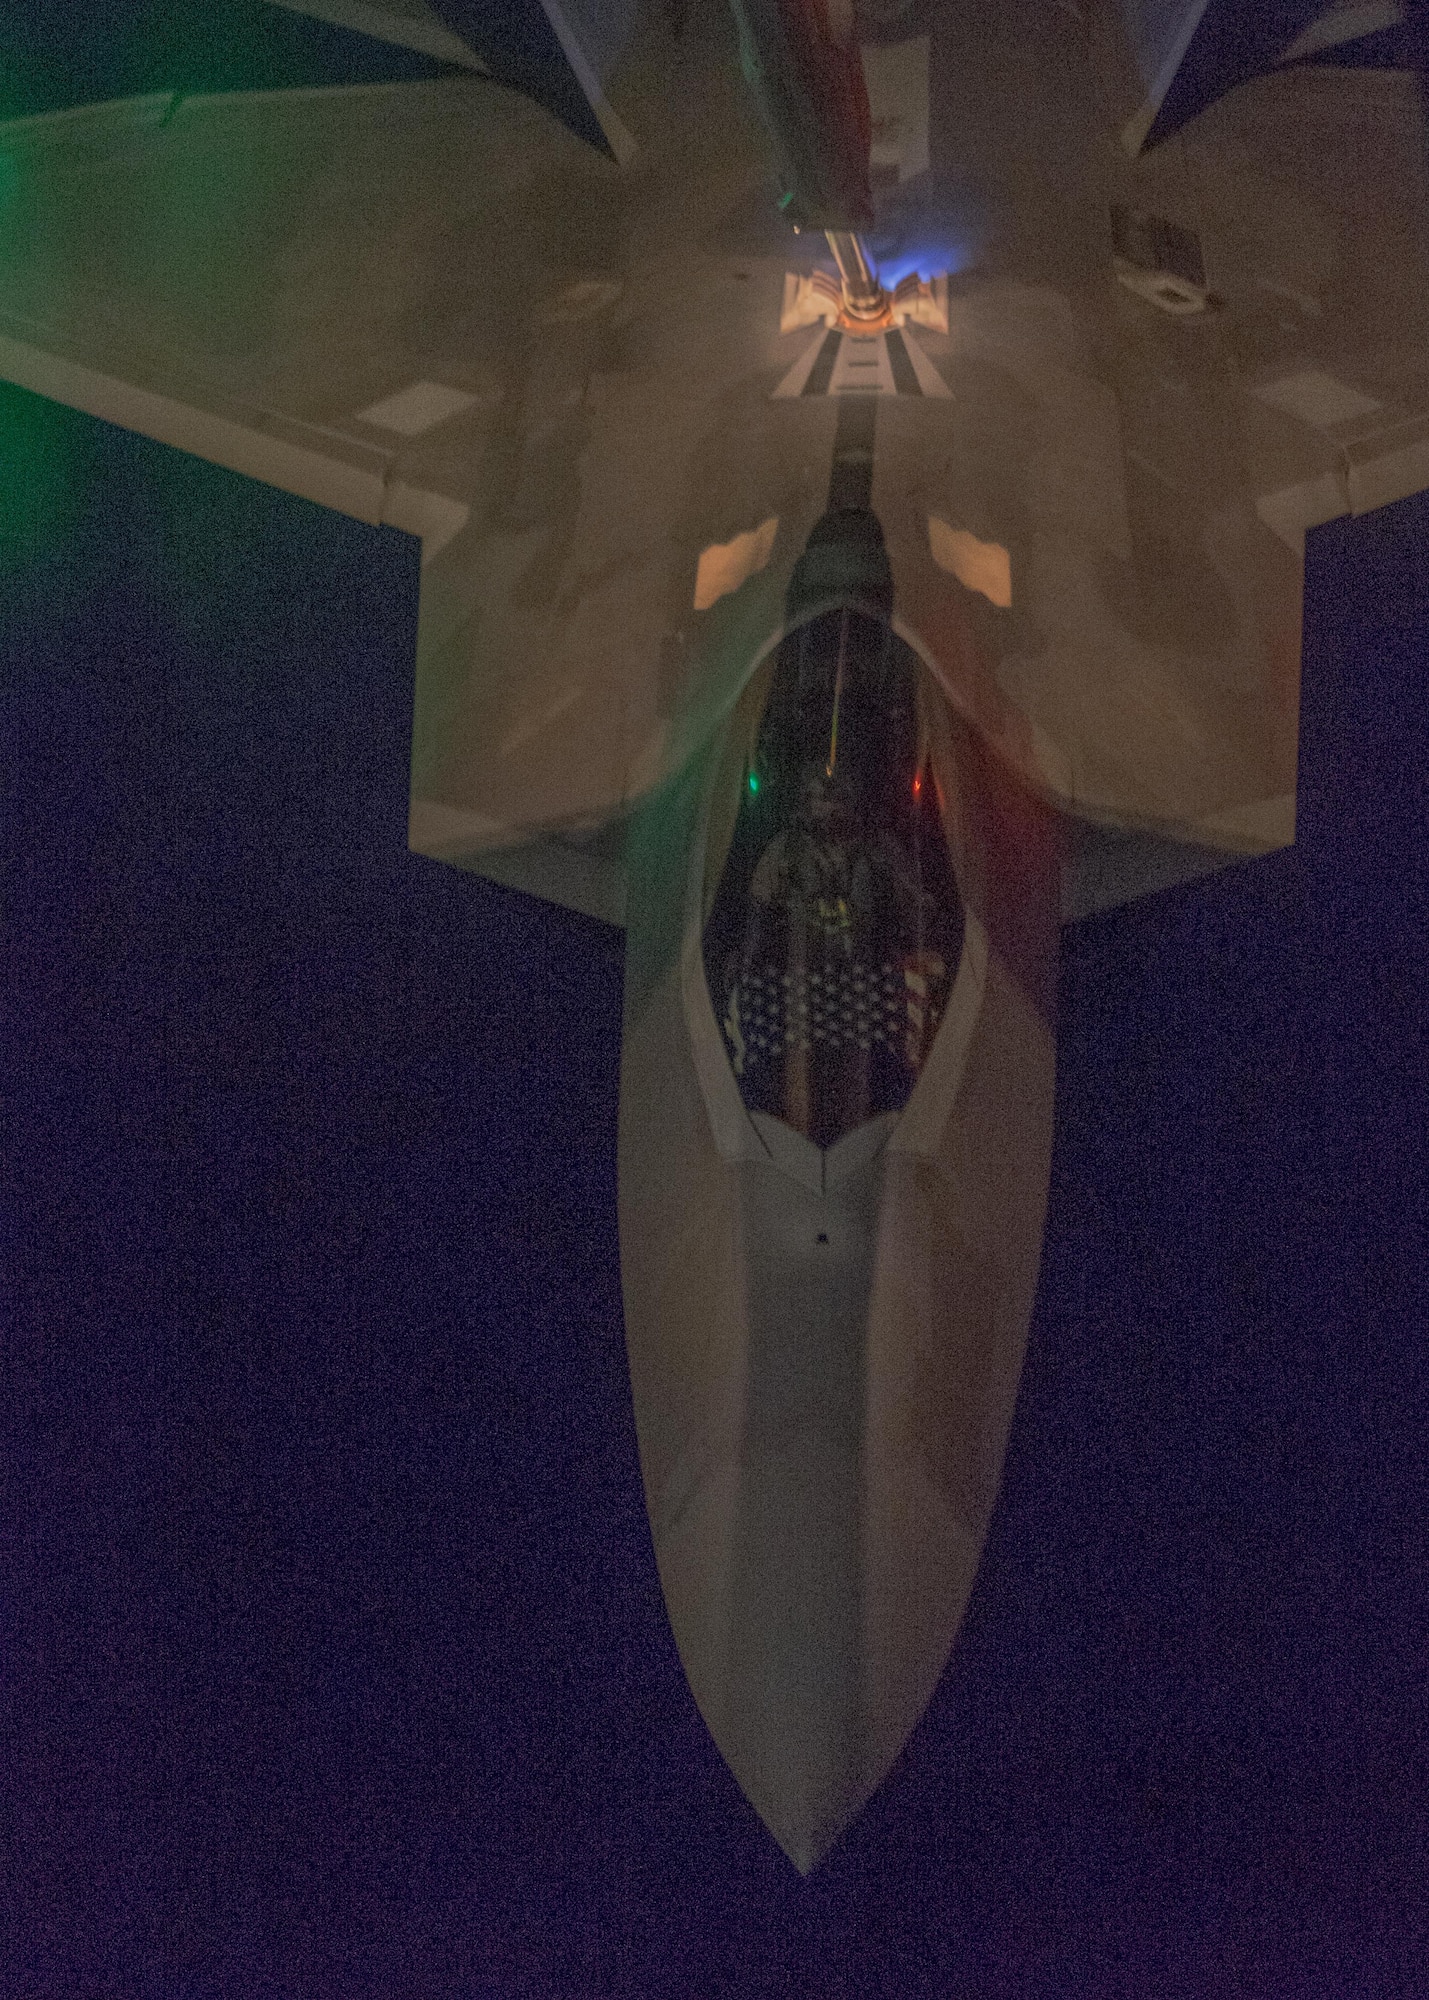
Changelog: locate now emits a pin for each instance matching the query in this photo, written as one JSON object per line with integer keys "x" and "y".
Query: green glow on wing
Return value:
{"x": 44, "y": 458}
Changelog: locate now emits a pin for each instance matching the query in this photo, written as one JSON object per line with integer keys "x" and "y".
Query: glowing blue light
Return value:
{"x": 925, "y": 258}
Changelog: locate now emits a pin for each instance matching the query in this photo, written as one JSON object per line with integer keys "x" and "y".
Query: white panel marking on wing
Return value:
{"x": 1317, "y": 398}
{"x": 417, "y": 408}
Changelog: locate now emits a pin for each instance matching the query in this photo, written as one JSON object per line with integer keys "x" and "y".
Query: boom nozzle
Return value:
{"x": 863, "y": 297}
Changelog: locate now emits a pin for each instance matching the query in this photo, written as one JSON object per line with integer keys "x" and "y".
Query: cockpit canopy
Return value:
{"x": 835, "y": 930}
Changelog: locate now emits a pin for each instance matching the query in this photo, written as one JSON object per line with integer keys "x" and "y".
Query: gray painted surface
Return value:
{"x": 824, "y": 1351}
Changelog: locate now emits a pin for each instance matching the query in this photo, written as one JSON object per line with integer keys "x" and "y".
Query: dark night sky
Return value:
{"x": 334, "y": 1661}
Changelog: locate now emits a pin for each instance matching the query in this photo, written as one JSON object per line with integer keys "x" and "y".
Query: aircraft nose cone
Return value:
{"x": 818, "y": 1544}
{"x": 792, "y": 1718}
{"x": 791, "y": 1722}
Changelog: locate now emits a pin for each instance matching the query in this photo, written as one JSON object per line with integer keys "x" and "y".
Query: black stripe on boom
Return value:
{"x": 851, "y": 483}
{"x": 822, "y": 372}
{"x": 905, "y": 378}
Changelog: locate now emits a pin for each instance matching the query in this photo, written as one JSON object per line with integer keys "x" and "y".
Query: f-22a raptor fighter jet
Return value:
{"x": 862, "y": 451}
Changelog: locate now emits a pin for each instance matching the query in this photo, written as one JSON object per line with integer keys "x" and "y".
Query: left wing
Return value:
{"x": 434, "y": 306}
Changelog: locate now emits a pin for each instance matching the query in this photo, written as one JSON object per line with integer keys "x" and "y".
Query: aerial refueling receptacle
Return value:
{"x": 864, "y": 298}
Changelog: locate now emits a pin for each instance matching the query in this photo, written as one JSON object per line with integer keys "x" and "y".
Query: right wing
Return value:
{"x": 1165, "y": 368}
{"x": 1190, "y": 53}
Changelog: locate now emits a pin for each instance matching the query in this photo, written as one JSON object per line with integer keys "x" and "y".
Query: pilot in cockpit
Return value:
{"x": 838, "y": 891}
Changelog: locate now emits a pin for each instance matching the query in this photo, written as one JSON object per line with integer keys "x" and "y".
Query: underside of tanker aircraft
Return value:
{"x": 862, "y": 451}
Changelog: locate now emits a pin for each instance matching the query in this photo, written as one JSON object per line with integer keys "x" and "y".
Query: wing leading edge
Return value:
{"x": 1156, "y": 373}
{"x": 1190, "y": 56}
